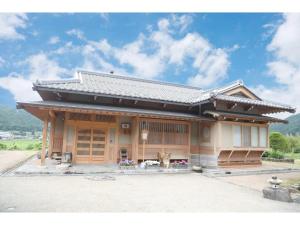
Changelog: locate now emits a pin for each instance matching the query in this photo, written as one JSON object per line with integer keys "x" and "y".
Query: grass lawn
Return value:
{"x": 20, "y": 144}
{"x": 292, "y": 155}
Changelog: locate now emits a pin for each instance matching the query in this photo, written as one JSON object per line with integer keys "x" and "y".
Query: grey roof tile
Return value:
{"x": 122, "y": 86}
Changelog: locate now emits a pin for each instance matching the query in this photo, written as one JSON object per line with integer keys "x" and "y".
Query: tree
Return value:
{"x": 293, "y": 143}
{"x": 278, "y": 142}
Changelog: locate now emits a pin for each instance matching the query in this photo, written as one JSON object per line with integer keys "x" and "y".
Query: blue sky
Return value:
{"x": 202, "y": 49}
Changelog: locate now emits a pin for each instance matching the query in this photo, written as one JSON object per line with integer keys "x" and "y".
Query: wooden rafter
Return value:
{"x": 232, "y": 106}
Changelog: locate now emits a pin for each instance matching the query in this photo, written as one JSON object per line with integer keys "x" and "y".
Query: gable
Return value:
{"x": 242, "y": 92}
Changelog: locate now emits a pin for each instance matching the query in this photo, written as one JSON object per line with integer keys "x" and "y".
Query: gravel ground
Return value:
{"x": 132, "y": 193}
{"x": 8, "y": 159}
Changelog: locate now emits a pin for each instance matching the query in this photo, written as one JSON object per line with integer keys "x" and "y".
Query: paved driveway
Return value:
{"x": 132, "y": 193}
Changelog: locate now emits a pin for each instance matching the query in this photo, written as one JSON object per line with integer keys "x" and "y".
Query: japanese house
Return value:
{"x": 96, "y": 115}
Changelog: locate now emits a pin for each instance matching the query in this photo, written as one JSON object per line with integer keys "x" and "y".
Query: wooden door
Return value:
{"x": 90, "y": 145}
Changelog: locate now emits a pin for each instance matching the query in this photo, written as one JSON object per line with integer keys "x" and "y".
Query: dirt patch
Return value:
{"x": 258, "y": 182}
{"x": 9, "y": 159}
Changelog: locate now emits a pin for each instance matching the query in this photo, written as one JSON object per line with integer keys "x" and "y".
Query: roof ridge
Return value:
{"x": 57, "y": 81}
{"x": 138, "y": 79}
{"x": 238, "y": 82}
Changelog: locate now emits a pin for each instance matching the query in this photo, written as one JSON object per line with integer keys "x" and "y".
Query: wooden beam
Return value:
{"x": 249, "y": 108}
{"x": 44, "y": 142}
{"x": 52, "y": 114}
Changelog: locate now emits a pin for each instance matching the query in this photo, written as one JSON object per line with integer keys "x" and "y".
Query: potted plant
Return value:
{"x": 151, "y": 164}
{"x": 127, "y": 164}
{"x": 180, "y": 164}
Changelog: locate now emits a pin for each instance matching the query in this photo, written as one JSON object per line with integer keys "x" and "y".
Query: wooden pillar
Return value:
{"x": 117, "y": 139}
{"x": 215, "y": 132}
{"x": 134, "y": 139}
{"x": 43, "y": 153}
{"x": 64, "y": 147}
{"x": 189, "y": 140}
{"x": 51, "y": 138}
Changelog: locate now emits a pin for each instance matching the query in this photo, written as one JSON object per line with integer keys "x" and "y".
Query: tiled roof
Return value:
{"x": 243, "y": 116}
{"x": 111, "y": 109}
{"x": 230, "y": 98}
{"x": 135, "y": 88}
{"x": 108, "y": 84}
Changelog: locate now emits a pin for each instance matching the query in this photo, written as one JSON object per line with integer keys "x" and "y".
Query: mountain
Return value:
{"x": 18, "y": 120}
{"x": 293, "y": 127}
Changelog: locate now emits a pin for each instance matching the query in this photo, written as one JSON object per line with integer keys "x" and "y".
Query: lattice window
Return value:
{"x": 165, "y": 133}
{"x": 80, "y": 116}
{"x": 105, "y": 118}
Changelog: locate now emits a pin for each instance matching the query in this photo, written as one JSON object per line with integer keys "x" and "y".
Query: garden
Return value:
{"x": 283, "y": 148}
{"x": 20, "y": 144}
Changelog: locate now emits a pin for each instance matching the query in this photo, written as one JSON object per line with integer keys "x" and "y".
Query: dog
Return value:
{"x": 164, "y": 159}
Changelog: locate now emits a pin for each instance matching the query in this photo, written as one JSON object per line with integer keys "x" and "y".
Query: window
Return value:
{"x": 254, "y": 136}
{"x": 249, "y": 136}
{"x": 237, "y": 136}
{"x": 262, "y": 137}
{"x": 165, "y": 133}
{"x": 205, "y": 134}
{"x": 246, "y": 136}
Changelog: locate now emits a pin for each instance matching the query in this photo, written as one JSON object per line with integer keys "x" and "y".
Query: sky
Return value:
{"x": 206, "y": 50}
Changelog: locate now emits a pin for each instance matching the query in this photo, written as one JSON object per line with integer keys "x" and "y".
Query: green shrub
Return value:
{"x": 266, "y": 154}
{"x": 38, "y": 146}
{"x": 13, "y": 147}
{"x": 297, "y": 150}
{"x": 30, "y": 147}
{"x": 276, "y": 155}
{"x": 278, "y": 142}
{"x": 3, "y": 146}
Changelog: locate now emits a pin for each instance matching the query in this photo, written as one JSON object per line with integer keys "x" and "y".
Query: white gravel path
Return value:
{"x": 132, "y": 193}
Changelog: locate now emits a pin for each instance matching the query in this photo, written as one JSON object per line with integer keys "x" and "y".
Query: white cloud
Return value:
{"x": 2, "y": 61}
{"x": 182, "y": 22}
{"x": 77, "y": 33}
{"x": 104, "y": 16}
{"x": 40, "y": 67}
{"x": 54, "y": 40}
{"x": 285, "y": 66}
{"x": 19, "y": 87}
{"x": 10, "y": 23}
{"x": 150, "y": 55}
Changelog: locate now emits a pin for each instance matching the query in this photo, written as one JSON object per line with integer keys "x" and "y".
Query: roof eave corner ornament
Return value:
{"x": 78, "y": 75}
{"x": 240, "y": 82}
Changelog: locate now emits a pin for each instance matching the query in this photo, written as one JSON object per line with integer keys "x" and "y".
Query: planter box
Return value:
{"x": 179, "y": 166}
{"x": 152, "y": 167}
{"x": 127, "y": 167}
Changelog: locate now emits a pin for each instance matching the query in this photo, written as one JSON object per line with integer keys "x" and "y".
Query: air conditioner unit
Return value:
{"x": 125, "y": 125}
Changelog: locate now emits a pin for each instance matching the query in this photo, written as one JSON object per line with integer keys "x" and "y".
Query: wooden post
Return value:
{"x": 64, "y": 148}
{"x": 144, "y": 150}
{"x": 43, "y": 153}
{"x": 117, "y": 139}
{"x": 51, "y": 138}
